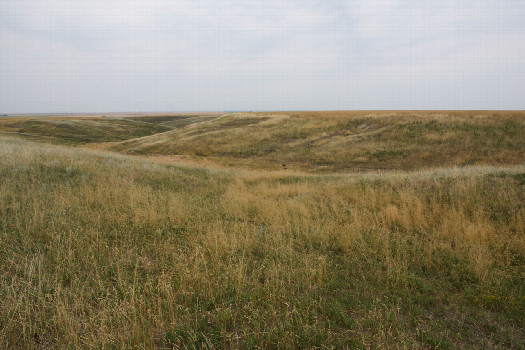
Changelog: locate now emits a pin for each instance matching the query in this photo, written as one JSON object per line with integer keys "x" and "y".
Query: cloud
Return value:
{"x": 66, "y": 55}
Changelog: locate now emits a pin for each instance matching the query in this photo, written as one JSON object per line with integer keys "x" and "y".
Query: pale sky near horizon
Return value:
{"x": 202, "y": 55}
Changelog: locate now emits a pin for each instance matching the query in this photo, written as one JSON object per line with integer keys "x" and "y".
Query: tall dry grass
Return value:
{"x": 107, "y": 251}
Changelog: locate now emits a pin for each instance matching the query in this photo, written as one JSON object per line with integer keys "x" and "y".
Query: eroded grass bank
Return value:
{"x": 109, "y": 251}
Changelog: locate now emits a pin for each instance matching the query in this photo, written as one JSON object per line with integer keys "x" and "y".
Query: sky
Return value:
{"x": 64, "y": 56}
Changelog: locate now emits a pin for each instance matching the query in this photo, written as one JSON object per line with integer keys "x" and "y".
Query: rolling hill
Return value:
{"x": 343, "y": 141}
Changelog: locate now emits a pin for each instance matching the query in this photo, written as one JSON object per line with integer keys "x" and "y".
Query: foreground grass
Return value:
{"x": 110, "y": 251}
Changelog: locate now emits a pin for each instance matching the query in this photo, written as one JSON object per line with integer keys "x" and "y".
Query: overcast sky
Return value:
{"x": 201, "y": 55}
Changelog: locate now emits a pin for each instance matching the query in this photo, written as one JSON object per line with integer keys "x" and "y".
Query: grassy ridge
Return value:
{"x": 110, "y": 251}
{"x": 177, "y": 121}
{"x": 345, "y": 141}
{"x": 79, "y": 130}
{"x": 304, "y": 141}
{"x": 84, "y": 130}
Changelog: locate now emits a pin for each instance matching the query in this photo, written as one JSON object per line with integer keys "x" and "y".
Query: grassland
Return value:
{"x": 344, "y": 141}
{"x": 111, "y": 251}
{"x": 84, "y": 130}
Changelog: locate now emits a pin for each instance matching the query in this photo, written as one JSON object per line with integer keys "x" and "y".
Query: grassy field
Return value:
{"x": 112, "y": 251}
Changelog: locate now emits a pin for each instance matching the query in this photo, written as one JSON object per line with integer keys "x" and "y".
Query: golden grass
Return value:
{"x": 101, "y": 250}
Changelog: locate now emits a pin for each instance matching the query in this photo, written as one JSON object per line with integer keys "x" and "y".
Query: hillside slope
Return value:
{"x": 88, "y": 130}
{"x": 344, "y": 141}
